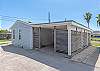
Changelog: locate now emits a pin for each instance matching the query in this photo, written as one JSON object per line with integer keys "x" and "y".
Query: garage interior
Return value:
{"x": 55, "y": 38}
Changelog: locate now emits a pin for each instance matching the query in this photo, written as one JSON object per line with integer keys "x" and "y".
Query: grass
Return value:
{"x": 95, "y": 39}
{"x": 4, "y": 42}
{"x": 95, "y": 42}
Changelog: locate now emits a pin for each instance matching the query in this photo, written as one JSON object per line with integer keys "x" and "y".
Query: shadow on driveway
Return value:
{"x": 59, "y": 63}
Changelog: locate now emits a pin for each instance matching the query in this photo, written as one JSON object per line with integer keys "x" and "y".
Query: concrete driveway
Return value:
{"x": 18, "y": 59}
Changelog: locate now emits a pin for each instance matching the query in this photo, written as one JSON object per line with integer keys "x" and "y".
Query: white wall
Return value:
{"x": 26, "y": 40}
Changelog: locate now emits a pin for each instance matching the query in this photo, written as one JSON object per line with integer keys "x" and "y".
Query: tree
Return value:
{"x": 87, "y": 17}
{"x": 4, "y": 31}
{"x": 98, "y": 19}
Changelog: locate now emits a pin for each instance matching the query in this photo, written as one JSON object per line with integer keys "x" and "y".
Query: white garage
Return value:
{"x": 22, "y": 35}
{"x": 65, "y": 36}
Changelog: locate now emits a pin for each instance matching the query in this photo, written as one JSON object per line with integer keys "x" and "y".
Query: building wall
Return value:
{"x": 26, "y": 35}
{"x": 79, "y": 38}
{"x": 85, "y": 39}
{"x": 30, "y": 37}
{"x": 46, "y": 37}
{"x": 75, "y": 40}
{"x": 96, "y": 34}
{"x": 62, "y": 40}
{"x": 35, "y": 37}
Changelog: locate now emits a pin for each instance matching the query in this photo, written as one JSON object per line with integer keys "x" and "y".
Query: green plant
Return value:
{"x": 98, "y": 20}
{"x": 87, "y": 17}
{"x": 4, "y": 31}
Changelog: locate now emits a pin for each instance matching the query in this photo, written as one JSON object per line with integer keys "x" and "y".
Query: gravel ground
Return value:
{"x": 18, "y": 59}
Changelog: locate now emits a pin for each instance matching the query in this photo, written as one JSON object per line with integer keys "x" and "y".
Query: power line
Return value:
{"x": 13, "y": 19}
{"x": 2, "y": 16}
{"x": 9, "y": 17}
{"x": 8, "y": 20}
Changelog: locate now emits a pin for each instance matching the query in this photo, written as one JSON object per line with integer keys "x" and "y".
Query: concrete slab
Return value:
{"x": 89, "y": 56}
{"x": 98, "y": 61}
{"x": 18, "y": 59}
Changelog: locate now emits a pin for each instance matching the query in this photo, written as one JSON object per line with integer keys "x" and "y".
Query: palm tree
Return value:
{"x": 87, "y": 17}
{"x": 98, "y": 20}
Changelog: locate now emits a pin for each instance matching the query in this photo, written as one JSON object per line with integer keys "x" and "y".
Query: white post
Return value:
{"x": 69, "y": 42}
{"x": 11, "y": 35}
{"x": 39, "y": 37}
{"x": 90, "y": 38}
{"x": 81, "y": 38}
{"x": 87, "y": 38}
{"x": 54, "y": 39}
{"x": 33, "y": 36}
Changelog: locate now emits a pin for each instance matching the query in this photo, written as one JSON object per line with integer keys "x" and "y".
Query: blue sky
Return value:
{"x": 37, "y": 10}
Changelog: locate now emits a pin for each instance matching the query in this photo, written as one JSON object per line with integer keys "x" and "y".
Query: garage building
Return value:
{"x": 64, "y": 36}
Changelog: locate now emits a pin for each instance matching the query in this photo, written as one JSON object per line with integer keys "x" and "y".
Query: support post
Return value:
{"x": 33, "y": 36}
{"x": 39, "y": 37}
{"x": 87, "y": 38}
{"x": 54, "y": 38}
{"x": 90, "y": 39}
{"x": 81, "y": 38}
{"x": 69, "y": 42}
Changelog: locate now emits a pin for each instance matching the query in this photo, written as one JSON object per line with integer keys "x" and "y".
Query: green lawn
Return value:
{"x": 4, "y": 42}
{"x": 95, "y": 42}
{"x": 95, "y": 39}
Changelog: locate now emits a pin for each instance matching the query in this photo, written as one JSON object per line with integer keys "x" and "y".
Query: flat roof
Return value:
{"x": 59, "y": 23}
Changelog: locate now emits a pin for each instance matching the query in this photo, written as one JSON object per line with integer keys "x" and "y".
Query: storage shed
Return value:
{"x": 64, "y": 36}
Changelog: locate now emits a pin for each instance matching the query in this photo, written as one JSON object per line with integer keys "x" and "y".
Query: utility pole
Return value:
{"x": 65, "y": 19}
{"x": 49, "y": 20}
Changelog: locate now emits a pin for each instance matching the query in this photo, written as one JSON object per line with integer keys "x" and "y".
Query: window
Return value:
{"x": 19, "y": 34}
{"x": 13, "y": 34}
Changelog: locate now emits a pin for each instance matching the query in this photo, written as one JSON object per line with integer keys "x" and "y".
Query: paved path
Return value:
{"x": 17, "y": 59}
{"x": 88, "y": 56}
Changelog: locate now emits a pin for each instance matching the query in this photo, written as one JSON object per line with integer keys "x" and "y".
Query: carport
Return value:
{"x": 61, "y": 36}
{"x": 42, "y": 37}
